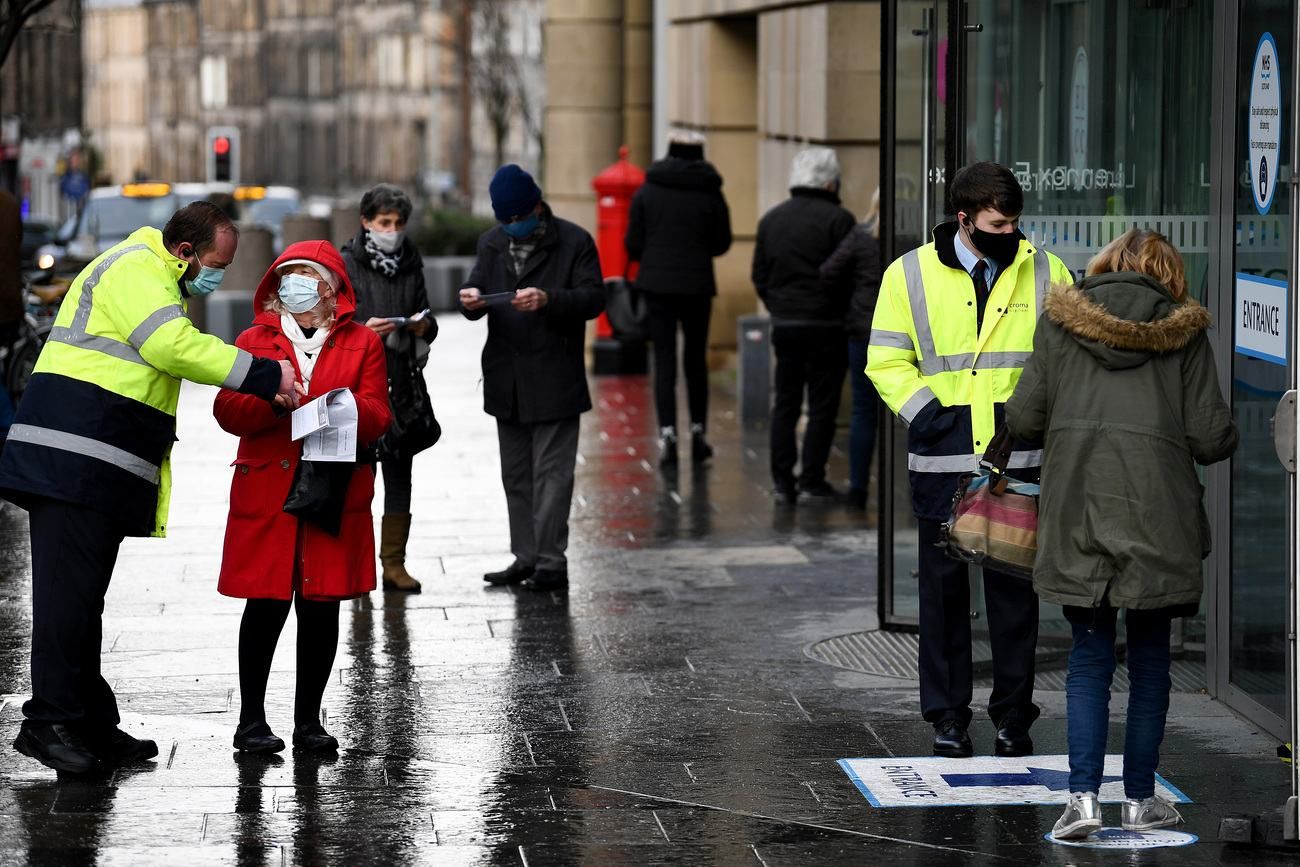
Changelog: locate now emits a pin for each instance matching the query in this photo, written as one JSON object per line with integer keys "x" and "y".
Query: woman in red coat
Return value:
{"x": 302, "y": 312}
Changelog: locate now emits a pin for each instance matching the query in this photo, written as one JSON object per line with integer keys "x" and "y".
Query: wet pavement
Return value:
{"x": 662, "y": 712}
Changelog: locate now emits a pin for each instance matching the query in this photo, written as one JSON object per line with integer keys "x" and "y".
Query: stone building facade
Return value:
{"x": 40, "y": 107}
{"x": 759, "y": 78}
{"x": 329, "y": 96}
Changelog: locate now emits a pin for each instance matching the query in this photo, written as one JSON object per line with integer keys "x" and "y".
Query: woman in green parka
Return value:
{"x": 1123, "y": 393}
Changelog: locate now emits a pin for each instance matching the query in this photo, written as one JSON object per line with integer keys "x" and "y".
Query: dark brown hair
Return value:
{"x": 198, "y": 223}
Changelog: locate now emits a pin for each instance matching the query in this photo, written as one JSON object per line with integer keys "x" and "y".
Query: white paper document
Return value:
{"x": 497, "y": 298}
{"x": 327, "y": 427}
{"x": 403, "y": 321}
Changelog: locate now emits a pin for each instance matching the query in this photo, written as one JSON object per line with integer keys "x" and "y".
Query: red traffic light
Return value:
{"x": 221, "y": 145}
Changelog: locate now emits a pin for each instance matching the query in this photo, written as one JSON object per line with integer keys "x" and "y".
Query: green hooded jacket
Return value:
{"x": 1123, "y": 393}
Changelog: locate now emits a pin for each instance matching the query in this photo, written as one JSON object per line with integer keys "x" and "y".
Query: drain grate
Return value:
{"x": 893, "y": 654}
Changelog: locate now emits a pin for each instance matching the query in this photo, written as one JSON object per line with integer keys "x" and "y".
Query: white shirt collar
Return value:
{"x": 969, "y": 260}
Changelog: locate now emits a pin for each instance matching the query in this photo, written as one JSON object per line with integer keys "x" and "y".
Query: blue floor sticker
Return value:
{"x": 932, "y": 781}
{"x": 1118, "y": 838}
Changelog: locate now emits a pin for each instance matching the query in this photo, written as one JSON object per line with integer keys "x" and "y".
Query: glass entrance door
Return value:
{"x": 1262, "y": 363}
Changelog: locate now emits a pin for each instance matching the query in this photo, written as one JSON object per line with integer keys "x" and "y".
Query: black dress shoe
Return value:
{"x": 1013, "y": 740}
{"x": 668, "y": 451}
{"x": 701, "y": 451}
{"x": 952, "y": 741}
{"x": 515, "y": 573}
{"x": 115, "y": 747}
{"x": 821, "y": 492}
{"x": 784, "y": 495}
{"x": 56, "y": 746}
{"x": 857, "y": 499}
{"x": 313, "y": 737}
{"x": 257, "y": 738}
{"x": 544, "y": 580}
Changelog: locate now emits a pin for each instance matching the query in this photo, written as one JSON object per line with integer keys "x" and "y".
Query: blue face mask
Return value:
{"x": 207, "y": 280}
{"x": 522, "y": 228}
{"x": 298, "y": 293}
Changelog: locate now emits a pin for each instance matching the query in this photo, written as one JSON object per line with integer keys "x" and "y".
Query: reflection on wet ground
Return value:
{"x": 661, "y": 712}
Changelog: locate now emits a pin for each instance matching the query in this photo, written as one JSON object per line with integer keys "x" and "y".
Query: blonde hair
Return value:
{"x": 1146, "y": 252}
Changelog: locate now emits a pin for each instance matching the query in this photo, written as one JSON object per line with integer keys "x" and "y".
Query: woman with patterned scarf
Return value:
{"x": 388, "y": 274}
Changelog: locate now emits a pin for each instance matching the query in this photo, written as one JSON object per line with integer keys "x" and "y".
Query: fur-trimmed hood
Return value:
{"x": 1124, "y": 318}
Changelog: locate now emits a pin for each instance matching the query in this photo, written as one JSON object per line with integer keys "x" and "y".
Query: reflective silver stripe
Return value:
{"x": 1042, "y": 280}
{"x": 890, "y": 339}
{"x": 946, "y": 363}
{"x": 77, "y": 334}
{"x": 1001, "y": 360}
{"x": 238, "y": 373}
{"x": 968, "y": 463}
{"x": 81, "y": 319}
{"x": 69, "y": 442}
{"x": 915, "y": 404}
{"x": 106, "y": 345}
{"x": 1020, "y": 460}
{"x": 916, "y": 299}
{"x": 942, "y": 463}
{"x": 153, "y": 322}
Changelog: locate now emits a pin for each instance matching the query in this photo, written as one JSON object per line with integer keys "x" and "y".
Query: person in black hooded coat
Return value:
{"x": 387, "y": 273}
{"x": 678, "y": 223}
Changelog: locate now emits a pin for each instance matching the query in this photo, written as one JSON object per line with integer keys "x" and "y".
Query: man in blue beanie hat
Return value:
{"x": 537, "y": 280}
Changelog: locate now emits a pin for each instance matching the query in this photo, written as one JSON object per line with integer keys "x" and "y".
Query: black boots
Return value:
{"x": 701, "y": 451}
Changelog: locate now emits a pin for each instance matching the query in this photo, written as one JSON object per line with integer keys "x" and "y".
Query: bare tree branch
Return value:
{"x": 13, "y": 15}
{"x": 496, "y": 74}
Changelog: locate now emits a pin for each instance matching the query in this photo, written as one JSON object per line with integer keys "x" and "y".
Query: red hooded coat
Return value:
{"x": 262, "y": 540}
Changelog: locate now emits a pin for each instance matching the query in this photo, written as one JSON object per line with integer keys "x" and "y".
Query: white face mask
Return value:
{"x": 389, "y": 242}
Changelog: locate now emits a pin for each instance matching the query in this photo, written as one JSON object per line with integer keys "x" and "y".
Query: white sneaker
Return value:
{"x": 1154, "y": 812}
{"x": 1082, "y": 816}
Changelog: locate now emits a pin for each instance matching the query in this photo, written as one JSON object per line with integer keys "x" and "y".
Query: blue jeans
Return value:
{"x": 1087, "y": 692}
{"x": 862, "y": 423}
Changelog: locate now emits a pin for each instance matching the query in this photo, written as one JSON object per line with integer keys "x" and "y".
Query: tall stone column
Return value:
{"x": 638, "y": 82}
{"x": 584, "y": 123}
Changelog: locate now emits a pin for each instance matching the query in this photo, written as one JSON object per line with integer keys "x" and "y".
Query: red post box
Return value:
{"x": 614, "y": 188}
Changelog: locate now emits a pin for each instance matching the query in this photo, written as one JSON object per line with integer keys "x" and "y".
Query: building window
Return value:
{"x": 213, "y": 87}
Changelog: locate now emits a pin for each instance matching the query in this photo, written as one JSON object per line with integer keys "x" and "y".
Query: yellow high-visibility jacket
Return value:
{"x": 943, "y": 374}
{"x": 98, "y": 418}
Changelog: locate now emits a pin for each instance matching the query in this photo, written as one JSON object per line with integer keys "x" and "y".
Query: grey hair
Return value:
{"x": 815, "y": 167}
{"x": 385, "y": 197}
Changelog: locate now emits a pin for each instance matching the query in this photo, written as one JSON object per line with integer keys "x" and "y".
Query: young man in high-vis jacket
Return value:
{"x": 88, "y": 457}
{"x": 951, "y": 334}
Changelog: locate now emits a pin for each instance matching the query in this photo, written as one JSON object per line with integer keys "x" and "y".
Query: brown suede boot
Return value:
{"x": 392, "y": 553}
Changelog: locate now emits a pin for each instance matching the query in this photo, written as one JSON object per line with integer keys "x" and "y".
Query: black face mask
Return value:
{"x": 1001, "y": 247}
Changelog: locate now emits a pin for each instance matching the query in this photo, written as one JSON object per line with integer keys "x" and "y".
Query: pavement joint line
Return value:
{"x": 203, "y": 828}
{"x": 658, "y": 822}
{"x": 689, "y": 772}
{"x": 799, "y": 705}
{"x": 522, "y": 857}
{"x": 879, "y": 740}
{"x": 802, "y": 824}
{"x": 645, "y": 683}
{"x": 532, "y": 758}
{"x": 568, "y": 727}
{"x": 809, "y": 786}
{"x": 756, "y": 855}
{"x": 171, "y": 757}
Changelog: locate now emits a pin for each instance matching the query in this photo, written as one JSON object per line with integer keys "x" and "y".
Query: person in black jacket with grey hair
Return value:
{"x": 537, "y": 280}
{"x": 858, "y": 257}
{"x": 679, "y": 221}
{"x": 793, "y": 241}
{"x": 387, "y": 273}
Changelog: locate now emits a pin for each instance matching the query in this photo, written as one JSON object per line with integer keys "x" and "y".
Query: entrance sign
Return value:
{"x": 933, "y": 781}
{"x": 1261, "y": 314}
{"x": 1118, "y": 838}
{"x": 1264, "y": 125}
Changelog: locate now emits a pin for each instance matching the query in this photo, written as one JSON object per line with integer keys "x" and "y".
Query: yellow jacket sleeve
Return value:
{"x": 891, "y": 350}
{"x": 143, "y": 303}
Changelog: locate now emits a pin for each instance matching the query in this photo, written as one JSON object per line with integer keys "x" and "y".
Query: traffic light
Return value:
{"x": 223, "y": 155}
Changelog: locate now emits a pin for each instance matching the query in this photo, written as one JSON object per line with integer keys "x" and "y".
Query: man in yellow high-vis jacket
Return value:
{"x": 952, "y": 331}
{"x": 88, "y": 458}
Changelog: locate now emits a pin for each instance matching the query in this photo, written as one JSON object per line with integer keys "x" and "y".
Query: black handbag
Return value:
{"x": 318, "y": 492}
{"x": 626, "y": 307}
{"x": 415, "y": 427}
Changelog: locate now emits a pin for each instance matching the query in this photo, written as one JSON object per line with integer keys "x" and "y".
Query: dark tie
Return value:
{"x": 980, "y": 276}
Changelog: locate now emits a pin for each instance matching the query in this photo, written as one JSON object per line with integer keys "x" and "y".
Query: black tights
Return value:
{"x": 259, "y": 632}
